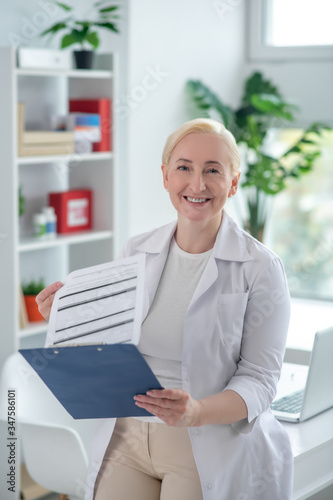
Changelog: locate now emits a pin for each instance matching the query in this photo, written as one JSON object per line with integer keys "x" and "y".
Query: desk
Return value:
{"x": 312, "y": 444}
{"x": 311, "y": 441}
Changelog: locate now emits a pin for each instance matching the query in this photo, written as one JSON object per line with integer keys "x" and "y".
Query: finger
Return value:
{"x": 153, "y": 408}
{"x": 148, "y": 400}
{"x": 167, "y": 393}
{"x": 173, "y": 418}
{"x": 48, "y": 291}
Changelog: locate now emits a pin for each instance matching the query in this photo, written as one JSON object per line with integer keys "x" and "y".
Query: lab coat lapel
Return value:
{"x": 208, "y": 277}
{"x": 154, "y": 269}
{"x": 230, "y": 245}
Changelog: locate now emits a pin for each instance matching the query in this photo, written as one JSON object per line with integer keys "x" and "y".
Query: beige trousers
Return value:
{"x": 148, "y": 461}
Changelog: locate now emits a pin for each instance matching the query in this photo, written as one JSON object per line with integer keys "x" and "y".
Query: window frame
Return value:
{"x": 257, "y": 12}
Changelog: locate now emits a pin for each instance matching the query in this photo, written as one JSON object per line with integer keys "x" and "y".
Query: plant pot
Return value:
{"x": 32, "y": 308}
{"x": 84, "y": 58}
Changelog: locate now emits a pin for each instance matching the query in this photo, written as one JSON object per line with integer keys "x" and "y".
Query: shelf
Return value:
{"x": 72, "y": 73}
{"x": 33, "y": 329}
{"x": 46, "y": 93}
{"x": 76, "y": 157}
{"x": 29, "y": 244}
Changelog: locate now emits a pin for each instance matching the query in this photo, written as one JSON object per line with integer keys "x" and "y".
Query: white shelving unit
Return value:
{"x": 23, "y": 257}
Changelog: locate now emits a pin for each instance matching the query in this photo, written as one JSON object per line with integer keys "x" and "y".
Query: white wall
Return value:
{"x": 186, "y": 39}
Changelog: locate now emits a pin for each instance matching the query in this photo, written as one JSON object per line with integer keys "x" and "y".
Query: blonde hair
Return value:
{"x": 203, "y": 126}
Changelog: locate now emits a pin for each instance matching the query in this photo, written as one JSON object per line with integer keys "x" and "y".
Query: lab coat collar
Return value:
{"x": 230, "y": 244}
{"x": 231, "y": 241}
{"x": 158, "y": 240}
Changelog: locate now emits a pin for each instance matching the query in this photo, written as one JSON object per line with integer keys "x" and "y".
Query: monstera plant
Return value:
{"x": 262, "y": 108}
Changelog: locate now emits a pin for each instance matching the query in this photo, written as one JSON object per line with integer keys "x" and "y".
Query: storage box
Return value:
{"x": 73, "y": 209}
{"x": 44, "y": 59}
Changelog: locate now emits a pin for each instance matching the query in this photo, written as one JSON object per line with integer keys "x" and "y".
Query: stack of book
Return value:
{"x": 41, "y": 142}
{"x": 101, "y": 107}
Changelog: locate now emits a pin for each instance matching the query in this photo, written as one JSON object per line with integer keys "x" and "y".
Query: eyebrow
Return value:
{"x": 209, "y": 162}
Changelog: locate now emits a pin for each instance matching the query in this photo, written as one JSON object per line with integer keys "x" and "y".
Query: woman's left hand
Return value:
{"x": 174, "y": 406}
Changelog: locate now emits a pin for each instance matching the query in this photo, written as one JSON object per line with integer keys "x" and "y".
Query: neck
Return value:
{"x": 197, "y": 237}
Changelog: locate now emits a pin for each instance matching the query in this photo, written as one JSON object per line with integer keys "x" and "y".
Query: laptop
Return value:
{"x": 317, "y": 395}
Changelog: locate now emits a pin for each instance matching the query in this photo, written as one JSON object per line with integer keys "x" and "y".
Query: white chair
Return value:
{"x": 55, "y": 446}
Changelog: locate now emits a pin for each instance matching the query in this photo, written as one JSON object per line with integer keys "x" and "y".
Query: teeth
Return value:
{"x": 196, "y": 200}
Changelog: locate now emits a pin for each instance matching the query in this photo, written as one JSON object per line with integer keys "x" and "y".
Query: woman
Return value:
{"x": 216, "y": 318}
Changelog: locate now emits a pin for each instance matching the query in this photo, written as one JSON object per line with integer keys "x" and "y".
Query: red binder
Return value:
{"x": 101, "y": 107}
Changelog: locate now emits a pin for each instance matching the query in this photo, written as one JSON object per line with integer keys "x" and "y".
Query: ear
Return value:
{"x": 234, "y": 185}
{"x": 165, "y": 173}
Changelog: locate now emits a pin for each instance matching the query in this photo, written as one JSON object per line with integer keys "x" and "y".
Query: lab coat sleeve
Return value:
{"x": 264, "y": 337}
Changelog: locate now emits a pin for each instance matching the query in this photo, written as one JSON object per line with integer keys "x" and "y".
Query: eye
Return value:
{"x": 212, "y": 171}
{"x": 183, "y": 168}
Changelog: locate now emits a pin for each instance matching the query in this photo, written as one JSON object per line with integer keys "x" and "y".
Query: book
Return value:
{"x": 85, "y": 126}
{"x": 102, "y": 107}
{"x": 41, "y": 142}
{"x": 41, "y": 137}
{"x": 46, "y": 149}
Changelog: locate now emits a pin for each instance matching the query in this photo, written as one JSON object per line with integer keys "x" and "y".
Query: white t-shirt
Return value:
{"x": 161, "y": 340}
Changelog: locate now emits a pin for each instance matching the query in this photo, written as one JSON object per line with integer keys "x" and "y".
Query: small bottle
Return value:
{"x": 39, "y": 225}
{"x": 51, "y": 222}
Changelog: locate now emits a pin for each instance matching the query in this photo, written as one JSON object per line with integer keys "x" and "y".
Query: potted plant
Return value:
{"x": 262, "y": 108}
{"x": 30, "y": 291}
{"x": 84, "y": 32}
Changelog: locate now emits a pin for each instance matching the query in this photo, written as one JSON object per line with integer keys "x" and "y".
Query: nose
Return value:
{"x": 197, "y": 182}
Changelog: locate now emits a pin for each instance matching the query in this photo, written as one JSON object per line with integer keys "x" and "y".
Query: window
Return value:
{"x": 290, "y": 29}
{"x": 299, "y": 23}
{"x": 302, "y": 224}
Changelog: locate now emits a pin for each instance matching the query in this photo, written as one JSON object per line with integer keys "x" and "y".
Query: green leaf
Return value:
{"x": 109, "y": 26}
{"x": 256, "y": 84}
{"x": 274, "y": 105}
{"x": 33, "y": 287}
{"x": 64, "y": 6}
{"x": 68, "y": 40}
{"x": 109, "y": 9}
{"x": 93, "y": 39}
{"x": 80, "y": 35}
{"x": 55, "y": 28}
{"x": 84, "y": 24}
{"x": 205, "y": 99}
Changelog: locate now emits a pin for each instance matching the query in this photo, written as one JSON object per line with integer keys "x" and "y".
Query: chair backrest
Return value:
{"x": 35, "y": 402}
{"x": 55, "y": 458}
{"x": 55, "y": 446}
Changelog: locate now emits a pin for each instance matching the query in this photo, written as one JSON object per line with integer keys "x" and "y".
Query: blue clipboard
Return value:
{"x": 94, "y": 381}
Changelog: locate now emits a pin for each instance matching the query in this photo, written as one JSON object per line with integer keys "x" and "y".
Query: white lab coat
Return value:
{"x": 234, "y": 338}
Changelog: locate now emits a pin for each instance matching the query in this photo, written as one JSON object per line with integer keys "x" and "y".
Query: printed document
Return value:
{"x": 99, "y": 304}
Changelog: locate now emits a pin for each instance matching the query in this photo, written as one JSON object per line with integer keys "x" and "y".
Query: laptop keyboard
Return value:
{"x": 291, "y": 403}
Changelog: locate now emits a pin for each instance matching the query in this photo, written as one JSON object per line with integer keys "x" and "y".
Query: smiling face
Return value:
{"x": 199, "y": 177}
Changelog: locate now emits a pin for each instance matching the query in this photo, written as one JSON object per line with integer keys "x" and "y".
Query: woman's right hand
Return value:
{"x": 45, "y": 299}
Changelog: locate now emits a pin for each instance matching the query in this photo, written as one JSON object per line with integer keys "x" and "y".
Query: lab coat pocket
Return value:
{"x": 231, "y": 312}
